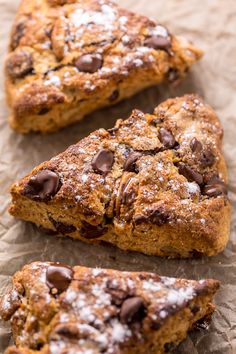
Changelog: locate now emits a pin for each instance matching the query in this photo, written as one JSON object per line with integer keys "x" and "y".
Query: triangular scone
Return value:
{"x": 69, "y": 58}
{"x": 154, "y": 183}
{"x": 57, "y": 309}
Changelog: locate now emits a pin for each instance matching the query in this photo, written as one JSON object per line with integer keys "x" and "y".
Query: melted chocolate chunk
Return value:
{"x": 130, "y": 163}
{"x": 114, "y": 96}
{"x": 189, "y": 173}
{"x": 59, "y": 276}
{"x": 158, "y": 42}
{"x": 215, "y": 188}
{"x": 19, "y": 64}
{"x": 208, "y": 158}
{"x": 90, "y": 232}
{"x": 43, "y": 186}
{"x": 102, "y": 162}
{"x": 61, "y": 227}
{"x": 89, "y": 63}
{"x": 195, "y": 145}
{"x": 166, "y": 138}
{"x": 132, "y": 310}
{"x": 156, "y": 216}
{"x": 129, "y": 192}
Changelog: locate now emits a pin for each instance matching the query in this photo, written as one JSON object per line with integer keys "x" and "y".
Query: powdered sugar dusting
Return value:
{"x": 177, "y": 297}
{"x": 53, "y": 80}
{"x": 104, "y": 18}
{"x": 120, "y": 332}
{"x": 192, "y": 187}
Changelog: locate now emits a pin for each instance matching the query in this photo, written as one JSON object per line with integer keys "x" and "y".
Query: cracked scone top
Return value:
{"x": 155, "y": 183}
{"x": 69, "y": 58}
{"x": 56, "y": 309}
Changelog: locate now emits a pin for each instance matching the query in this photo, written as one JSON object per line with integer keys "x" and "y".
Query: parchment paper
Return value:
{"x": 211, "y": 24}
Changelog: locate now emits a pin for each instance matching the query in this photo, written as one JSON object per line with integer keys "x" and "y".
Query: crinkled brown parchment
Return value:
{"x": 211, "y": 24}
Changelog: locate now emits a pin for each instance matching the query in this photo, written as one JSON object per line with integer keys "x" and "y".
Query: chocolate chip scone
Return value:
{"x": 57, "y": 309}
{"x": 69, "y": 58}
{"x": 156, "y": 183}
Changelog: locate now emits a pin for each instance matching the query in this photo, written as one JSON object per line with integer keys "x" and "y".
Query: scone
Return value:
{"x": 70, "y": 57}
{"x": 156, "y": 183}
{"x": 57, "y": 309}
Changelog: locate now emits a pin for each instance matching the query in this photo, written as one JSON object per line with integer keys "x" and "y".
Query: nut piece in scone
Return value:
{"x": 69, "y": 58}
{"x": 56, "y": 309}
{"x": 156, "y": 184}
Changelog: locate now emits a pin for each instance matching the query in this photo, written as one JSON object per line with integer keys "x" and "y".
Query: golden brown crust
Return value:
{"x": 48, "y": 58}
{"x": 55, "y": 309}
{"x": 154, "y": 184}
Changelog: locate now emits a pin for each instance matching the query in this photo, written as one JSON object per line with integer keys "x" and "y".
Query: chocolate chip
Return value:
{"x": 131, "y": 161}
{"x": 17, "y": 34}
{"x": 195, "y": 145}
{"x": 43, "y": 111}
{"x": 190, "y": 174}
{"x": 61, "y": 227}
{"x": 114, "y": 96}
{"x": 132, "y": 310}
{"x": 154, "y": 325}
{"x": 89, "y": 63}
{"x": 158, "y": 42}
{"x": 112, "y": 131}
{"x": 59, "y": 276}
{"x": 156, "y": 121}
{"x": 68, "y": 330}
{"x": 157, "y": 216}
{"x": 102, "y": 162}
{"x": 38, "y": 346}
{"x": 19, "y": 64}
{"x": 166, "y": 138}
{"x": 90, "y": 232}
{"x": 215, "y": 188}
{"x": 43, "y": 186}
{"x": 208, "y": 158}
{"x": 129, "y": 191}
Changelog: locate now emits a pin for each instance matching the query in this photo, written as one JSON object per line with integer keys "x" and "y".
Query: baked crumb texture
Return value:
{"x": 69, "y": 58}
{"x": 155, "y": 183}
{"x": 57, "y": 309}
